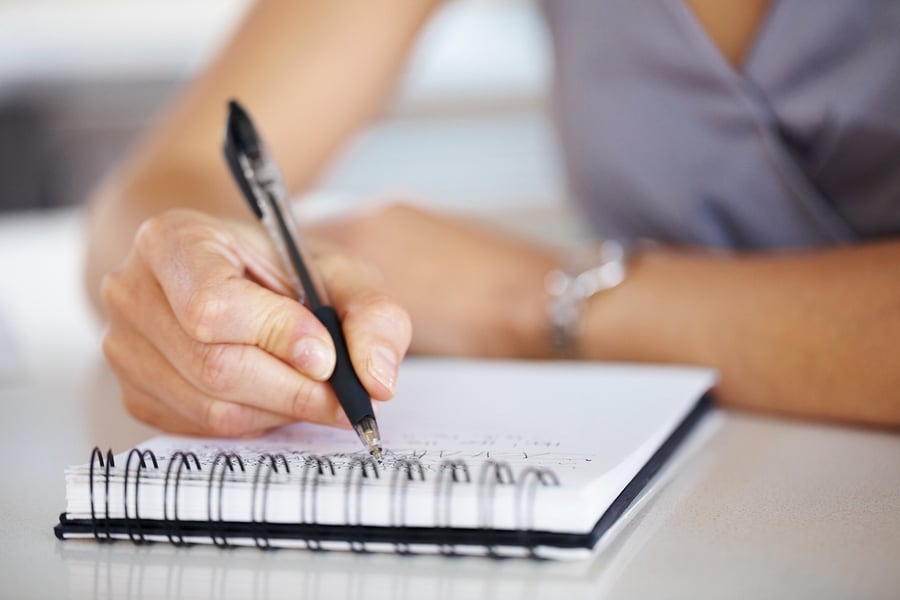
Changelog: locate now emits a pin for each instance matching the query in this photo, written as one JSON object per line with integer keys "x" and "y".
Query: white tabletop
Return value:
{"x": 759, "y": 507}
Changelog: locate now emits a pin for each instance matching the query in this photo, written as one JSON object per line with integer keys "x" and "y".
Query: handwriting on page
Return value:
{"x": 431, "y": 452}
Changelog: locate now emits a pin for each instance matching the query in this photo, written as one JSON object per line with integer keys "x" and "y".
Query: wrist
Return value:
{"x": 583, "y": 274}
{"x": 524, "y": 310}
{"x": 655, "y": 315}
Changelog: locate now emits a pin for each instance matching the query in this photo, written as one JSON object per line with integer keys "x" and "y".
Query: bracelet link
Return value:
{"x": 584, "y": 273}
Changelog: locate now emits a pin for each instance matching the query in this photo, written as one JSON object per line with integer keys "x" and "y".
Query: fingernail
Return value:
{"x": 314, "y": 357}
{"x": 383, "y": 366}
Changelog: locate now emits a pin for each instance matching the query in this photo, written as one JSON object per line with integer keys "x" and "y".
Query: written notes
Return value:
{"x": 344, "y": 452}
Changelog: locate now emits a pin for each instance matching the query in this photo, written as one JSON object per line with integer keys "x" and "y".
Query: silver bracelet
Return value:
{"x": 583, "y": 274}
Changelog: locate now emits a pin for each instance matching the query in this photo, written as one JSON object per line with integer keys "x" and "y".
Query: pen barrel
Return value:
{"x": 351, "y": 393}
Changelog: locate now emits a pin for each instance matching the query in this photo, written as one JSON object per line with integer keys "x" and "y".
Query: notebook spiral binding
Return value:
{"x": 405, "y": 471}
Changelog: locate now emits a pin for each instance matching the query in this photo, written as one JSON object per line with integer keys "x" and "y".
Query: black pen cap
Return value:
{"x": 241, "y": 131}
{"x": 241, "y": 140}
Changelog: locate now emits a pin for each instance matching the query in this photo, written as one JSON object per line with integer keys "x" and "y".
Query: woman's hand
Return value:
{"x": 470, "y": 290}
{"x": 205, "y": 339}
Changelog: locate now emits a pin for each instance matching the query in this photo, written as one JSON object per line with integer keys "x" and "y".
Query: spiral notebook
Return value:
{"x": 482, "y": 457}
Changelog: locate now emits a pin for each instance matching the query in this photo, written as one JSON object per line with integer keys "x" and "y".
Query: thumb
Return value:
{"x": 201, "y": 272}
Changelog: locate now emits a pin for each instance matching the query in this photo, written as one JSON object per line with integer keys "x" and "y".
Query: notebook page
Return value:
{"x": 593, "y": 425}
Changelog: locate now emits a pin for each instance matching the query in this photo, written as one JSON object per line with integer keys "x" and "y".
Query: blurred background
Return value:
{"x": 467, "y": 128}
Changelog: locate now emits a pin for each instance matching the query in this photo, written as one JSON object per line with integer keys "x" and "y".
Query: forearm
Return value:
{"x": 311, "y": 72}
{"x": 812, "y": 334}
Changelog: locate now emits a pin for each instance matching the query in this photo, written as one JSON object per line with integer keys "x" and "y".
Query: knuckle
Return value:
{"x": 109, "y": 347}
{"x": 197, "y": 232}
{"x": 137, "y": 407}
{"x": 115, "y": 293}
{"x": 219, "y": 367}
{"x": 135, "y": 403}
{"x": 176, "y": 230}
{"x": 159, "y": 226}
{"x": 341, "y": 266}
{"x": 115, "y": 352}
{"x": 386, "y": 315}
{"x": 302, "y": 399}
{"x": 363, "y": 270}
{"x": 329, "y": 259}
{"x": 203, "y": 314}
{"x": 276, "y": 324}
{"x": 226, "y": 419}
{"x": 152, "y": 230}
{"x": 368, "y": 271}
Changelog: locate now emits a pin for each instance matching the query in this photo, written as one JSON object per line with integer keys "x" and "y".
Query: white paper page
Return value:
{"x": 593, "y": 425}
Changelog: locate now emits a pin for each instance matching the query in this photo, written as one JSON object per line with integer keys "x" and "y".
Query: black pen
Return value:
{"x": 263, "y": 187}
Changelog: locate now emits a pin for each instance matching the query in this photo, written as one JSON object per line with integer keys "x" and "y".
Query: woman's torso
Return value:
{"x": 665, "y": 139}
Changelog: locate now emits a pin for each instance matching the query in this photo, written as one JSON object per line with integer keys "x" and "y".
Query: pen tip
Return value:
{"x": 367, "y": 430}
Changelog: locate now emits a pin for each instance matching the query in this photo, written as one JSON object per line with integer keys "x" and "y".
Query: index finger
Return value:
{"x": 203, "y": 271}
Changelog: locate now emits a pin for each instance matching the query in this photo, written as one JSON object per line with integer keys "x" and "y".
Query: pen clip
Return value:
{"x": 262, "y": 185}
{"x": 232, "y": 157}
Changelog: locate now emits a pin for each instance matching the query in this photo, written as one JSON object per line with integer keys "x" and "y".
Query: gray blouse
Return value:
{"x": 664, "y": 139}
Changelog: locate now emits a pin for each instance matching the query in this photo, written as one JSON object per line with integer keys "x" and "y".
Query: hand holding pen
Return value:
{"x": 260, "y": 181}
{"x": 205, "y": 338}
